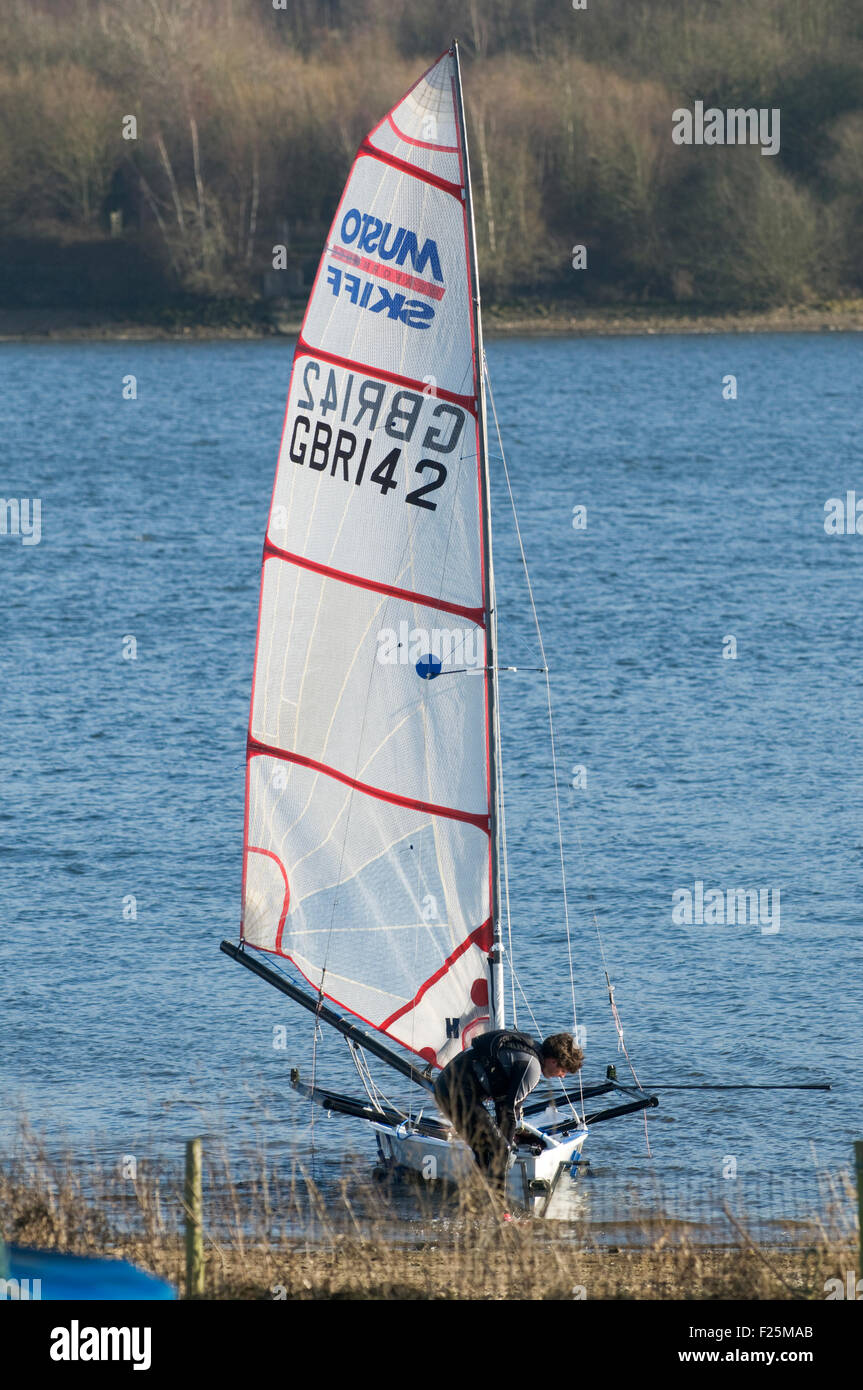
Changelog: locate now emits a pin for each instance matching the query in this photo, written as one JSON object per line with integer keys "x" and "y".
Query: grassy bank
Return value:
{"x": 269, "y": 1236}
{"x": 528, "y": 318}
{"x": 520, "y": 1264}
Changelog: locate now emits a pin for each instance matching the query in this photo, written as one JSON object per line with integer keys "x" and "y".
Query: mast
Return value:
{"x": 497, "y": 993}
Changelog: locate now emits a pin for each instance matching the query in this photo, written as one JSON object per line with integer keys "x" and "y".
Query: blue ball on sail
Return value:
{"x": 428, "y": 667}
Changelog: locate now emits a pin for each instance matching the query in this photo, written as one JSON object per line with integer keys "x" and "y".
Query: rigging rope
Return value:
{"x": 541, "y": 1033}
{"x": 609, "y": 986}
{"x": 377, "y": 1097}
{"x": 614, "y": 1011}
{"x": 517, "y": 981}
{"x": 547, "y": 691}
{"x": 316, "y": 1032}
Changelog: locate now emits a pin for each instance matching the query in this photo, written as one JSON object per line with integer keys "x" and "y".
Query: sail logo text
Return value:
{"x": 371, "y": 234}
{"x": 379, "y": 252}
{"x": 716, "y": 908}
{"x": 411, "y": 312}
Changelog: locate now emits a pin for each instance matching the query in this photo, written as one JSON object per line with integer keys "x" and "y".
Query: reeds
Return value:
{"x": 272, "y": 1232}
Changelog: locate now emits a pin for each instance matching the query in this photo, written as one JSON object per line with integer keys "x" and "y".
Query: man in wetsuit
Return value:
{"x": 502, "y": 1066}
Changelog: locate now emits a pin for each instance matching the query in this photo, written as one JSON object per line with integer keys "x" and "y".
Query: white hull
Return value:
{"x": 532, "y": 1178}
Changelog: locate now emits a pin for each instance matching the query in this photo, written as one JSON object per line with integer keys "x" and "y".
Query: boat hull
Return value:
{"x": 532, "y": 1178}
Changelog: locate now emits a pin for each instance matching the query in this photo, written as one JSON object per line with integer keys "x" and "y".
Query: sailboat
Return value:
{"x": 373, "y": 833}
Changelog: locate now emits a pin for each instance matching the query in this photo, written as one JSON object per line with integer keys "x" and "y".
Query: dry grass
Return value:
{"x": 268, "y": 1237}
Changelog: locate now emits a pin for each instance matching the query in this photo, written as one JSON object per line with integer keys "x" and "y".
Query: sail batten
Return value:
{"x": 476, "y": 615}
{"x": 263, "y": 750}
{"x": 370, "y": 856}
{"x": 466, "y": 402}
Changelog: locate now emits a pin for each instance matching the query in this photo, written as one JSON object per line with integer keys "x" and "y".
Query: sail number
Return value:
{"x": 345, "y": 447}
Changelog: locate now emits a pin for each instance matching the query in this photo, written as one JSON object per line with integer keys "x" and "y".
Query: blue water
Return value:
{"x": 705, "y": 520}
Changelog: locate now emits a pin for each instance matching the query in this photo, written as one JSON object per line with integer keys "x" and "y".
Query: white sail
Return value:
{"x": 369, "y": 813}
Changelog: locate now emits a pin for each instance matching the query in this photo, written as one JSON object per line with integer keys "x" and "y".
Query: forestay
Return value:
{"x": 368, "y": 856}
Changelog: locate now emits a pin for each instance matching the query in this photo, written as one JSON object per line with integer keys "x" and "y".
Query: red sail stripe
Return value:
{"x": 481, "y": 937}
{"x": 255, "y": 749}
{"x": 305, "y": 348}
{"x": 285, "y": 955}
{"x": 255, "y": 849}
{"x": 422, "y": 77}
{"x": 388, "y": 272}
{"x": 420, "y": 144}
{"x": 411, "y": 170}
{"x": 473, "y": 615}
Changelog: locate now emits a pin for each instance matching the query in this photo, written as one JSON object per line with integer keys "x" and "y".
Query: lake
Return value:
{"x": 705, "y": 639}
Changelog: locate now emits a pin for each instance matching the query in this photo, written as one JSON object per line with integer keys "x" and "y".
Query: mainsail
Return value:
{"x": 370, "y": 857}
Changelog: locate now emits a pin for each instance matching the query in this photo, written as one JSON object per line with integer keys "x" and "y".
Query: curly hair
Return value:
{"x": 562, "y": 1047}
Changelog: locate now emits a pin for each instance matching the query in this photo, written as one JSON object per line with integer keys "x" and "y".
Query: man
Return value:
{"x": 502, "y": 1066}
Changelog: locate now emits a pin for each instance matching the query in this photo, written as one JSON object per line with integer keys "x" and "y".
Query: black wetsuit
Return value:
{"x": 503, "y": 1066}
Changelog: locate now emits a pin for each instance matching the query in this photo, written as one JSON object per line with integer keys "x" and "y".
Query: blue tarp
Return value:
{"x": 80, "y": 1277}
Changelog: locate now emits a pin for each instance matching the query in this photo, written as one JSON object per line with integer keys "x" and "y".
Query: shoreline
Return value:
{"x": 499, "y": 321}
{"x": 510, "y": 1263}
{"x": 348, "y": 1249}
{"x": 356, "y": 1244}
